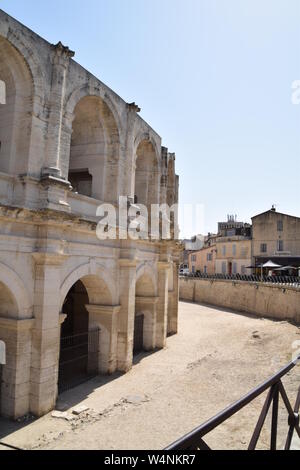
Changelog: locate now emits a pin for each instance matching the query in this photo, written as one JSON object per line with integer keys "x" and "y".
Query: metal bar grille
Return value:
{"x": 78, "y": 359}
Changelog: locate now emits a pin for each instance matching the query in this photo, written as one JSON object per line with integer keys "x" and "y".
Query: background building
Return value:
{"x": 204, "y": 260}
{"x": 276, "y": 237}
{"x": 233, "y": 246}
{"x": 190, "y": 245}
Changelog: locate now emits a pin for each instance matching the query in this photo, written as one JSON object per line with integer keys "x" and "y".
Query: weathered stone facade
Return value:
{"x": 62, "y": 127}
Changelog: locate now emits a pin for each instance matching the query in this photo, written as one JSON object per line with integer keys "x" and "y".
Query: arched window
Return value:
{"x": 146, "y": 175}
{"x": 15, "y": 110}
{"x": 93, "y": 166}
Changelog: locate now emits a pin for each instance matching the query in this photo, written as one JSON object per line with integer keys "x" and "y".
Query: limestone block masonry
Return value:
{"x": 265, "y": 300}
{"x": 70, "y": 303}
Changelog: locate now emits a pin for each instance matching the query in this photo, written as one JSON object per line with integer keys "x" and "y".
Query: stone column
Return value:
{"x": 147, "y": 306}
{"x": 162, "y": 306}
{"x": 127, "y": 313}
{"x": 60, "y": 63}
{"x": 46, "y": 333}
{"x": 106, "y": 319}
{"x": 15, "y": 380}
{"x": 127, "y": 184}
{"x": 55, "y": 187}
{"x": 164, "y": 176}
{"x": 173, "y": 302}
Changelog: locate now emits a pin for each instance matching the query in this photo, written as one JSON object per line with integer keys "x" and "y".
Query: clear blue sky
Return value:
{"x": 213, "y": 78}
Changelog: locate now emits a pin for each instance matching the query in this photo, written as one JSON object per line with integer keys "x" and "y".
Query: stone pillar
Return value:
{"x": 106, "y": 319}
{"x": 173, "y": 302}
{"x": 127, "y": 313}
{"x": 147, "y": 306}
{"x": 60, "y": 63}
{"x": 127, "y": 184}
{"x": 164, "y": 176}
{"x": 46, "y": 333}
{"x": 15, "y": 380}
{"x": 55, "y": 187}
{"x": 162, "y": 306}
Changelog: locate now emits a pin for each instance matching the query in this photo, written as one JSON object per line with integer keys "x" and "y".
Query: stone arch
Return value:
{"x": 145, "y": 311}
{"x": 23, "y": 129}
{"x": 13, "y": 291}
{"x": 95, "y": 146}
{"x": 92, "y": 278}
{"x": 89, "y": 324}
{"x": 15, "y": 114}
{"x": 147, "y": 174}
{"x": 89, "y": 90}
{"x": 30, "y": 60}
{"x": 147, "y": 275}
{"x": 146, "y": 136}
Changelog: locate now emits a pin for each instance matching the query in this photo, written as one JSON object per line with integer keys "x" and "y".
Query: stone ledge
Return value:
{"x": 17, "y": 324}
{"x": 103, "y": 309}
{"x": 147, "y": 300}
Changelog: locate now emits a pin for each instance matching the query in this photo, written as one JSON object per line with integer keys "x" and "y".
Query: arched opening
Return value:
{"x": 74, "y": 347}
{"x": 16, "y": 113}
{"x": 146, "y": 175}
{"x": 94, "y": 151}
{"x": 84, "y": 334}
{"x": 145, "y": 315}
{"x": 8, "y": 304}
{"x": 8, "y": 310}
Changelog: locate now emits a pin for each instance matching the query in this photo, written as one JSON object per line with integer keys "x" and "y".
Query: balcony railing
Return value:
{"x": 293, "y": 281}
{"x": 194, "y": 440}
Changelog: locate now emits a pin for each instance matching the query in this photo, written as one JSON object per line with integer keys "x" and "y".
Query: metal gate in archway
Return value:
{"x": 138, "y": 342}
{"x": 78, "y": 359}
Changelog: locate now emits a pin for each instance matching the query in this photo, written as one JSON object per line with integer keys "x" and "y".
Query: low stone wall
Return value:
{"x": 266, "y": 300}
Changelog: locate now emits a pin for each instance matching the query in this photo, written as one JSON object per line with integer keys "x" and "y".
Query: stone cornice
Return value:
{"x": 17, "y": 324}
{"x": 62, "y": 54}
{"x": 161, "y": 265}
{"x": 133, "y": 107}
{"x": 127, "y": 263}
{"x": 42, "y": 216}
{"x": 147, "y": 300}
{"x": 54, "y": 259}
{"x": 62, "y": 318}
{"x": 49, "y": 180}
{"x": 103, "y": 309}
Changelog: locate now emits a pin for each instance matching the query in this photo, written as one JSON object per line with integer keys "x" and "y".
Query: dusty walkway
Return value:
{"x": 216, "y": 358}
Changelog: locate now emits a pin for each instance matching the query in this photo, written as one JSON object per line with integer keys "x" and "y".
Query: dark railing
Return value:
{"x": 287, "y": 280}
{"x": 194, "y": 440}
{"x": 8, "y": 446}
{"x": 78, "y": 359}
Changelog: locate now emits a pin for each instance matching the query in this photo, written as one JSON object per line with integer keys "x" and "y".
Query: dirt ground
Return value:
{"x": 217, "y": 357}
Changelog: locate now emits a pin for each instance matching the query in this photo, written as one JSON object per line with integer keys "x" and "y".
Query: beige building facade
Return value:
{"x": 203, "y": 261}
{"x": 276, "y": 237}
{"x": 69, "y": 144}
{"x": 233, "y": 256}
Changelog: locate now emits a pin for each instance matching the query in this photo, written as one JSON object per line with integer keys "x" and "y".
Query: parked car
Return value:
{"x": 184, "y": 271}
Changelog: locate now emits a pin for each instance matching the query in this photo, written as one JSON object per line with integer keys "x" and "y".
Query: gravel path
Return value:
{"x": 217, "y": 357}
